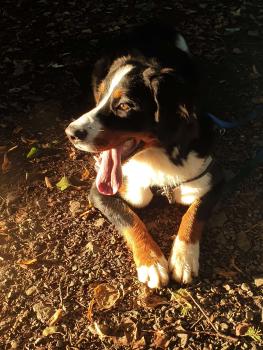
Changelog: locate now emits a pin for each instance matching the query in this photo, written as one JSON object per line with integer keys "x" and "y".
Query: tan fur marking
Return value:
{"x": 100, "y": 91}
{"x": 117, "y": 93}
{"x": 145, "y": 251}
{"x": 191, "y": 228}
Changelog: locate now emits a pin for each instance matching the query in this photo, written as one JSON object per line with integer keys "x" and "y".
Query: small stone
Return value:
{"x": 245, "y": 287}
{"x": 14, "y": 344}
{"x": 227, "y": 287}
{"x": 100, "y": 222}
{"x": 237, "y": 51}
{"x": 74, "y": 207}
{"x": 249, "y": 315}
{"x": 224, "y": 326}
{"x": 31, "y": 290}
{"x": 49, "y": 330}
{"x": 253, "y": 33}
{"x": 86, "y": 31}
{"x": 243, "y": 242}
{"x": 218, "y": 220}
{"x": 42, "y": 311}
{"x": 258, "y": 281}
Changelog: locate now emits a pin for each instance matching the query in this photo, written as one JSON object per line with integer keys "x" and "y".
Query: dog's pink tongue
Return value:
{"x": 109, "y": 177}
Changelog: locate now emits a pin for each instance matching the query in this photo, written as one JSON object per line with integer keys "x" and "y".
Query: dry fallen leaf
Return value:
{"x": 49, "y": 330}
{"x": 225, "y": 273}
{"x": 85, "y": 175}
{"x": 56, "y": 317}
{"x": 90, "y": 310}
{"x": 63, "y": 183}
{"x": 241, "y": 329}
{"x": 26, "y": 263}
{"x": 6, "y": 165}
{"x": 160, "y": 340}
{"x": 17, "y": 130}
{"x": 32, "y": 153}
{"x": 106, "y": 296}
{"x": 151, "y": 301}
{"x": 3, "y": 149}
{"x": 28, "y": 141}
{"x": 101, "y": 330}
{"x": 48, "y": 183}
{"x": 72, "y": 154}
{"x": 125, "y": 334}
{"x": 3, "y": 227}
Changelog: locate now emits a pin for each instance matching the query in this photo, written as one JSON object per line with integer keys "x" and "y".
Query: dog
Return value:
{"x": 147, "y": 133}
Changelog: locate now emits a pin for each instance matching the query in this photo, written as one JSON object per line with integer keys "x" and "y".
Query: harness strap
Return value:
{"x": 167, "y": 191}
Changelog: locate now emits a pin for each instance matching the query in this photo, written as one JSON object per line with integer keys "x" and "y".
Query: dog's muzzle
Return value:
{"x": 76, "y": 134}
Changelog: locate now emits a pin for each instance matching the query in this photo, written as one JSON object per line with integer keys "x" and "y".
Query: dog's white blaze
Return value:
{"x": 152, "y": 167}
{"x": 184, "y": 261}
{"x": 181, "y": 43}
{"x": 88, "y": 121}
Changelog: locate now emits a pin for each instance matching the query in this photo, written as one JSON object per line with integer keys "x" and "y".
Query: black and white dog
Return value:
{"x": 147, "y": 133}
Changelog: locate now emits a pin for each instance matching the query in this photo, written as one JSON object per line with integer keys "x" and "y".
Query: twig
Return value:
{"x": 217, "y": 334}
{"x": 193, "y": 325}
{"x": 228, "y": 337}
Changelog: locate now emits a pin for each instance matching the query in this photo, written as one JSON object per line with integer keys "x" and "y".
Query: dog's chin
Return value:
{"x": 86, "y": 147}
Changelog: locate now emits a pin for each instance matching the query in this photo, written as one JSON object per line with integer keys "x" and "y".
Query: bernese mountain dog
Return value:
{"x": 147, "y": 132}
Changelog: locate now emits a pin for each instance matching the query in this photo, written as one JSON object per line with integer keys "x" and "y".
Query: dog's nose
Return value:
{"x": 75, "y": 134}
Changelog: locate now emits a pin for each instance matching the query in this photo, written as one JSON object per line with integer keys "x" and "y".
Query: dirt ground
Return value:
{"x": 67, "y": 280}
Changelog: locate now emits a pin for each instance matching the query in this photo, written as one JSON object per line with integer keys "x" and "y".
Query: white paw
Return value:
{"x": 184, "y": 261}
{"x": 156, "y": 275}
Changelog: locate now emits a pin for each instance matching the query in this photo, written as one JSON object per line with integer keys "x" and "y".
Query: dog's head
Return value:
{"x": 139, "y": 105}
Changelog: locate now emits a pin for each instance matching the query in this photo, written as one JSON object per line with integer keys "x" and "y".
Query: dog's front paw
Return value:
{"x": 184, "y": 261}
{"x": 153, "y": 271}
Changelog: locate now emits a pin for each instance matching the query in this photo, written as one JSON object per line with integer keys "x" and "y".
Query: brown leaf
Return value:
{"x": 125, "y": 334}
{"x": 21, "y": 215}
{"x": 28, "y": 141}
{"x": 6, "y": 165}
{"x": 56, "y": 317}
{"x": 160, "y": 340}
{"x": 3, "y": 149}
{"x": 152, "y": 301}
{"x": 90, "y": 310}
{"x": 225, "y": 273}
{"x": 17, "y": 130}
{"x": 106, "y": 296}
{"x": 49, "y": 330}
{"x": 48, "y": 183}
{"x": 139, "y": 344}
{"x": 241, "y": 328}
{"x": 101, "y": 330}
{"x": 26, "y": 263}
{"x": 72, "y": 154}
{"x": 3, "y": 227}
{"x": 85, "y": 175}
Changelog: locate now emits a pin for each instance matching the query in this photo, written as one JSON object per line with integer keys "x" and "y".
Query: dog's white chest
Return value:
{"x": 152, "y": 167}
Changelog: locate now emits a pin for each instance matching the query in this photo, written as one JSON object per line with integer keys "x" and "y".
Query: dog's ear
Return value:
{"x": 172, "y": 93}
{"x": 174, "y": 97}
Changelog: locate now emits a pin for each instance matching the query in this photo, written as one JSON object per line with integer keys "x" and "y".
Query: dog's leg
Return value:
{"x": 152, "y": 267}
{"x": 184, "y": 258}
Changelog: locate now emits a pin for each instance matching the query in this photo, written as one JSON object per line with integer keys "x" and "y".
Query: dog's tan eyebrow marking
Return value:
{"x": 117, "y": 93}
{"x": 100, "y": 91}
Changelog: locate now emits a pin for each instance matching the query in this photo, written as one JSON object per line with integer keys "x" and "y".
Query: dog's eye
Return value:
{"x": 124, "y": 107}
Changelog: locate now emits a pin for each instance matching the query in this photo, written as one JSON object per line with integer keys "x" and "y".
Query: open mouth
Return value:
{"x": 108, "y": 165}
